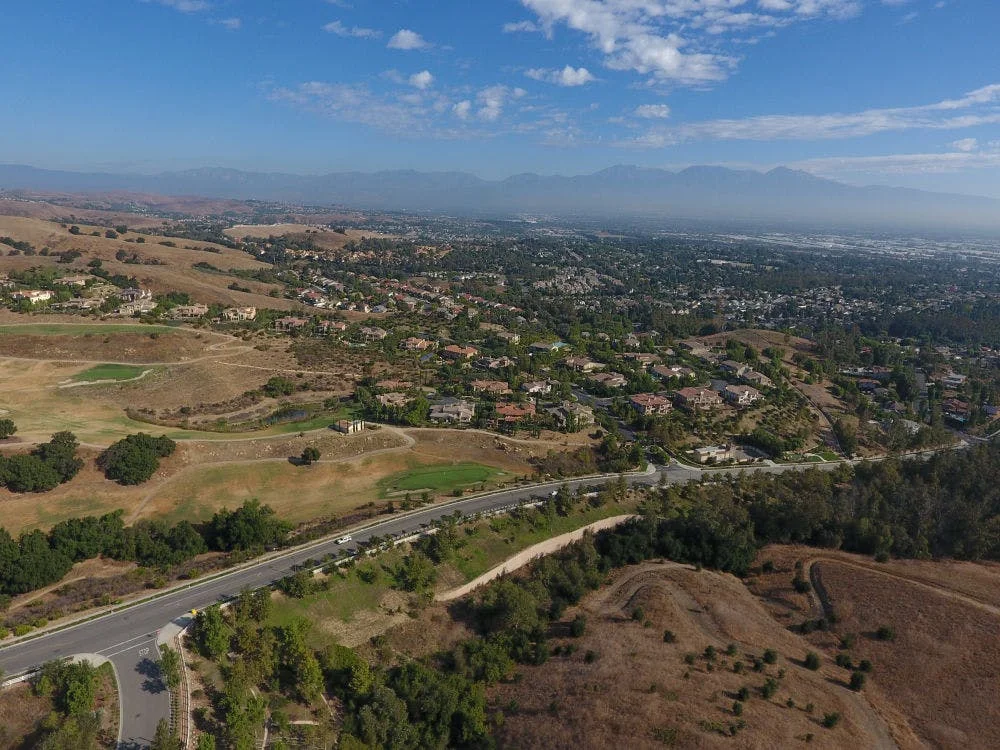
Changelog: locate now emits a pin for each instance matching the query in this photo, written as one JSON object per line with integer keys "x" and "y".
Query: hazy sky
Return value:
{"x": 902, "y": 92}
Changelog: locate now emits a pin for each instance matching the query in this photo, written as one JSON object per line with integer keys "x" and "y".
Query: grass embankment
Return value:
{"x": 355, "y": 597}
{"x": 438, "y": 478}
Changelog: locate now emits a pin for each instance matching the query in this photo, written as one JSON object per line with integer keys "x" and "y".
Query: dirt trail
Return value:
{"x": 912, "y": 580}
{"x": 526, "y": 556}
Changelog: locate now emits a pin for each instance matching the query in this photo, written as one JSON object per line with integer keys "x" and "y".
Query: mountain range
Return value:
{"x": 698, "y": 193}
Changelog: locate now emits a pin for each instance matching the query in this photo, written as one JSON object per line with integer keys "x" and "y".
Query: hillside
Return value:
{"x": 157, "y": 266}
{"x": 637, "y": 691}
{"x": 702, "y": 193}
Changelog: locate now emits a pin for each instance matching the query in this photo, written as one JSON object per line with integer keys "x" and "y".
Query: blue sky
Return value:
{"x": 902, "y": 92}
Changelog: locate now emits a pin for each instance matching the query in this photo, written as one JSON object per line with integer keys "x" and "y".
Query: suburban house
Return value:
{"x": 697, "y": 397}
{"x": 494, "y": 363}
{"x": 394, "y": 399}
{"x": 492, "y": 387}
{"x": 350, "y": 426}
{"x": 537, "y": 387}
{"x": 582, "y": 364}
{"x": 642, "y": 358}
{"x": 73, "y": 280}
{"x": 514, "y": 412}
{"x": 134, "y": 295}
{"x": 290, "y": 324}
{"x": 650, "y": 403}
{"x": 666, "y": 372}
{"x": 546, "y": 346}
{"x": 239, "y": 314}
{"x": 735, "y": 369}
{"x": 459, "y": 353}
{"x": 326, "y": 327}
{"x": 416, "y": 344}
{"x": 954, "y": 380}
{"x": 188, "y": 312}
{"x": 509, "y": 336}
{"x": 758, "y": 379}
{"x": 137, "y": 308}
{"x": 373, "y": 333}
{"x": 455, "y": 411}
{"x": 609, "y": 379}
{"x": 714, "y": 454}
{"x": 33, "y": 295}
{"x": 571, "y": 413}
{"x": 741, "y": 395}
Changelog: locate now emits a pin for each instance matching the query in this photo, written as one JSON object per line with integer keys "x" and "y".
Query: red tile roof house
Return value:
{"x": 514, "y": 412}
{"x": 698, "y": 398}
{"x": 650, "y": 403}
{"x": 494, "y": 387}
{"x": 459, "y": 352}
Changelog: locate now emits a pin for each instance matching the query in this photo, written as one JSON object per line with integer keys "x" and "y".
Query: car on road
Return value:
{"x": 344, "y": 539}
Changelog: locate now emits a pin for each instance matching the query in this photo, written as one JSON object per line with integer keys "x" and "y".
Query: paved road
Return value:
{"x": 128, "y": 637}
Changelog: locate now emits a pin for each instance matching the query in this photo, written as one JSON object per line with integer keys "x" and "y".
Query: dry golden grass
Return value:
{"x": 177, "y": 273}
{"x": 20, "y": 712}
{"x": 322, "y": 236}
{"x": 943, "y": 667}
{"x": 938, "y": 681}
{"x": 635, "y": 693}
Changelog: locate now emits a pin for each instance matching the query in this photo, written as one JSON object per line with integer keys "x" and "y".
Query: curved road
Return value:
{"x": 128, "y": 637}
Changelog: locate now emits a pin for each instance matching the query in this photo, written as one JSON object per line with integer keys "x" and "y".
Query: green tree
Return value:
{"x": 170, "y": 667}
{"x": 134, "y": 459}
{"x": 310, "y": 456}
{"x": 164, "y": 739}
{"x": 7, "y": 428}
{"x": 211, "y": 632}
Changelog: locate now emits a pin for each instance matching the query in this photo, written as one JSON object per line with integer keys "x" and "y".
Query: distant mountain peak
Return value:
{"x": 699, "y": 192}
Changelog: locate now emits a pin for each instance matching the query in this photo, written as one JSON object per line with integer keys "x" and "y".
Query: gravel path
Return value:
{"x": 526, "y": 556}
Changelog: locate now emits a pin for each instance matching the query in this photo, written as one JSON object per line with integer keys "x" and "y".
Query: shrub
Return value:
{"x": 848, "y": 640}
{"x": 578, "y": 627}
{"x": 865, "y": 665}
{"x": 812, "y": 661}
{"x": 770, "y": 656}
{"x": 590, "y": 657}
{"x": 857, "y": 681}
{"x": 831, "y": 720}
{"x": 737, "y": 709}
{"x": 638, "y": 614}
{"x": 743, "y": 694}
{"x": 885, "y": 633}
{"x": 7, "y": 428}
{"x": 800, "y": 584}
{"x": 669, "y": 637}
{"x": 843, "y": 660}
{"x": 310, "y": 455}
{"x": 769, "y": 688}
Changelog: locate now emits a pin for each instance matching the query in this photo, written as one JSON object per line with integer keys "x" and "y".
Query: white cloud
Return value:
{"x": 568, "y": 76}
{"x": 527, "y": 27}
{"x": 358, "y": 32}
{"x": 965, "y": 144}
{"x": 979, "y": 107}
{"x": 463, "y": 109}
{"x": 405, "y": 39}
{"x": 231, "y": 24}
{"x": 653, "y": 111}
{"x": 943, "y": 163}
{"x": 422, "y": 80}
{"x": 675, "y": 41}
{"x": 184, "y": 6}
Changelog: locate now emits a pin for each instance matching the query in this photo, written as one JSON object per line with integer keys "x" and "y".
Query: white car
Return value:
{"x": 344, "y": 539}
